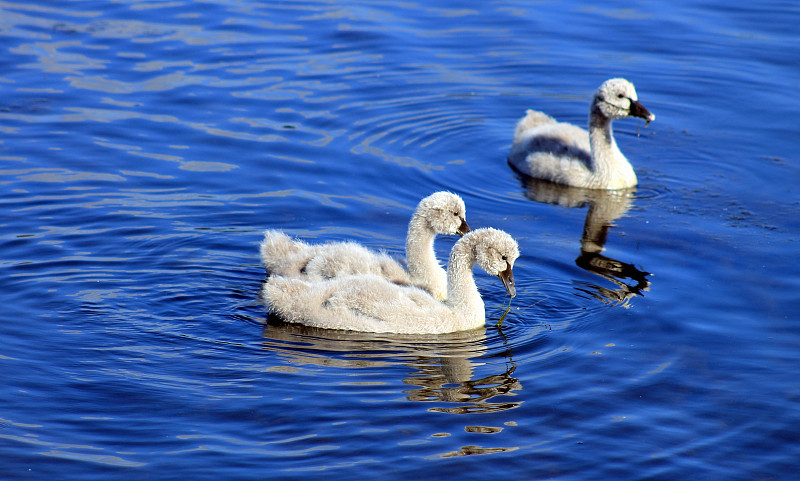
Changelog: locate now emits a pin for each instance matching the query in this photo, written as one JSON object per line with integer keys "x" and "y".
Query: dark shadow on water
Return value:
{"x": 604, "y": 208}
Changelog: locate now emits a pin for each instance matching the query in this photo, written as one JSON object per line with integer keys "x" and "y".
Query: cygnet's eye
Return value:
{"x": 620, "y": 95}
{"x": 505, "y": 258}
{"x": 456, "y": 214}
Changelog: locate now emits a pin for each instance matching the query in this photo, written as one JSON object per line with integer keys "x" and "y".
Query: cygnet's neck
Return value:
{"x": 462, "y": 293}
{"x": 609, "y": 166}
{"x": 420, "y": 255}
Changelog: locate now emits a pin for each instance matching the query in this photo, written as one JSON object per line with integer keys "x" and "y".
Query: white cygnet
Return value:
{"x": 567, "y": 154}
{"x": 370, "y": 303}
{"x": 438, "y": 213}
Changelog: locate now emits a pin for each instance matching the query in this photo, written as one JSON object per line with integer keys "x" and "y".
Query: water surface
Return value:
{"x": 145, "y": 146}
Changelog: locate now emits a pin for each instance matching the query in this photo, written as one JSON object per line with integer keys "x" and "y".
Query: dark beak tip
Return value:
{"x": 639, "y": 110}
{"x": 507, "y": 277}
{"x": 463, "y": 228}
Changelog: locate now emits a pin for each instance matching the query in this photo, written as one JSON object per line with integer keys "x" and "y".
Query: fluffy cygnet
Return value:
{"x": 370, "y": 303}
{"x": 438, "y": 213}
{"x": 567, "y": 154}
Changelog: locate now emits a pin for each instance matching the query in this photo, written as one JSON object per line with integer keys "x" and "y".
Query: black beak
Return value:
{"x": 507, "y": 276}
{"x": 463, "y": 228}
{"x": 638, "y": 110}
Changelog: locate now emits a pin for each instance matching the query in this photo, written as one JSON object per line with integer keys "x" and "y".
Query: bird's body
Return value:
{"x": 373, "y": 304}
{"x": 438, "y": 213}
{"x": 564, "y": 153}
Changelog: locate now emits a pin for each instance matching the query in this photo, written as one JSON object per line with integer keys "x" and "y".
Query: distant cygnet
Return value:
{"x": 566, "y": 154}
{"x": 439, "y": 213}
{"x": 370, "y": 303}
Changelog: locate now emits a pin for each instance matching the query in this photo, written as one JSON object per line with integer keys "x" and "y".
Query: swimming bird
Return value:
{"x": 371, "y": 303}
{"x": 567, "y": 154}
{"x": 438, "y": 213}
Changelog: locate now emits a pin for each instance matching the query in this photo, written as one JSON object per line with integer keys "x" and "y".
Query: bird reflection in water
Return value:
{"x": 605, "y": 207}
{"x": 473, "y": 395}
{"x": 443, "y": 366}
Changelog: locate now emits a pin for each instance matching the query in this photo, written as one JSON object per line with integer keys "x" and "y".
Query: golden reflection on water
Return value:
{"x": 470, "y": 450}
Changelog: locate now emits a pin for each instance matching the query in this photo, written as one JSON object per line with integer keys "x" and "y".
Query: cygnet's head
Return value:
{"x": 445, "y": 213}
{"x": 496, "y": 252}
{"x": 617, "y": 99}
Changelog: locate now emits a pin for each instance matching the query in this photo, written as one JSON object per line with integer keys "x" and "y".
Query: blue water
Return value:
{"x": 145, "y": 146}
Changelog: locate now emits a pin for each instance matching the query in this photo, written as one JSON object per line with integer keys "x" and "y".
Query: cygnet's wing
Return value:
{"x": 349, "y": 258}
{"x": 282, "y": 255}
{"x": 552, "y": 152}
